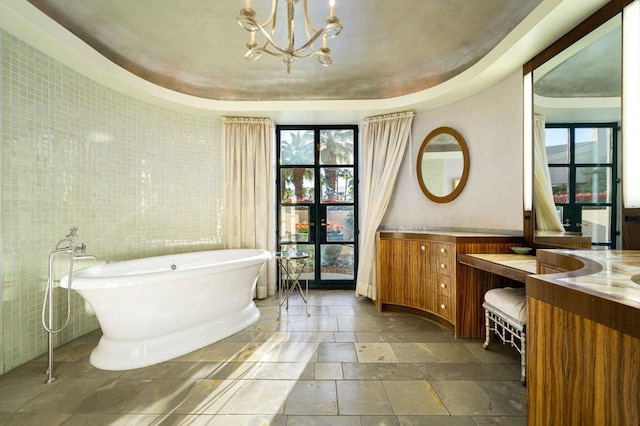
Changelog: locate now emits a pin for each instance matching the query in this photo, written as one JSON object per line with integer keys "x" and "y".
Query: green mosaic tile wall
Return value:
{"x": 137, "y": 179}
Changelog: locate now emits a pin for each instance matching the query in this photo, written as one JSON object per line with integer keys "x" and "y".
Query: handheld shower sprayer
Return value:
{"x": 72, "y": 249}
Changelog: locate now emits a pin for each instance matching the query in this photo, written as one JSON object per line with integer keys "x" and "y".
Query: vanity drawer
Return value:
{"x": 443, "y": 250}
{"x": 442, "y": 265}
{"x": 443, "y": 285}
{"x": 444, "y": 307}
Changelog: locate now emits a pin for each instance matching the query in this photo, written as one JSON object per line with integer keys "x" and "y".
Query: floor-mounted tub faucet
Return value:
{"x": 69, "y": 246}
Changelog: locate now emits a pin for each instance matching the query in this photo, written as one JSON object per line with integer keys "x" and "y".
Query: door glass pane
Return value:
{"x": 557, "y": 144}
{"x": 560, "y": 184}
{"x": 336, "y": 262}
{"x": 317, "y": 196}
{"x": 594, "y": 145}
{"x": 340, "y": 223}
{"x": 337, "y": 184}
{"x": 596, "y": 223}
{"x": 336, "y": 147}
{"x": 296, "y": 147}
{"x": 593, "y": 184}
{"x": 296, "y": 185}
{"x": 294, "y": 224}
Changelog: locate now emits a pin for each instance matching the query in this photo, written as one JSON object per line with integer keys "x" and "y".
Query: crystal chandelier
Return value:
{"x": 289, "y": 52}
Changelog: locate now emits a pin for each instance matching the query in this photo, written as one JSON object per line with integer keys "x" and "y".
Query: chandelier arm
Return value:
{"x": 279, "y": 53}
{"x": 271, "y": 41}
{"x": 309, "y": 43}
{"x": 307, "y": 21}
{"x": 290, "y": 39}
{"x": 274, "y": 20}
{"x": 308, "y": 24}
{"x": 290, "y": 25}
{"x": 272, "y": 17}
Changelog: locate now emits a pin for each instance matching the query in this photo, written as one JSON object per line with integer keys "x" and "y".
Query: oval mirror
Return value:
{"x": 443, "y": 165}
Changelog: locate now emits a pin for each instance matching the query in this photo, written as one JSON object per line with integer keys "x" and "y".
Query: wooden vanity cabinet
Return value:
{"x": 583, "y": 349}
{"x": 417, "y": 271}
{"x": 404, "y": 261}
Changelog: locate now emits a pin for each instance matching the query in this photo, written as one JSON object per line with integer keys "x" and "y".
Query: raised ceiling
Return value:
{"x": 591, "y": 68}
{"x": 387, "y": 48}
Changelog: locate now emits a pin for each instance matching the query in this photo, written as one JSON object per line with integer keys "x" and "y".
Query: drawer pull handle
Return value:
{"x": 423, "y": 248}
{"x": 442, "y": 306}
{"x": 442, "y": 285}
{"x": 443, "y": 266}
{"x": 443, "y": 250}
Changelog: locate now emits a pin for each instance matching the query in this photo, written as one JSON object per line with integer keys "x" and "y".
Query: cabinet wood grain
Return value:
{"x": 579, "y": 372}
{"x": 418, "y": 272}
{"x": 583, "y": 352}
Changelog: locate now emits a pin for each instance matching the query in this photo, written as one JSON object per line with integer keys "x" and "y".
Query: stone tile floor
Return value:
{"x": 345, "y": 364}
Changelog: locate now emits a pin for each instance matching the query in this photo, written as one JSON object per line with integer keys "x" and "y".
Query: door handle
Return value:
{"x": 322, "y": 222}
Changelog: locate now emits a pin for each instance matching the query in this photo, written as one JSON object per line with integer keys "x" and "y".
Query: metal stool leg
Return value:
{"x": 487, "y": 323}
{"x": 508, "y": 330}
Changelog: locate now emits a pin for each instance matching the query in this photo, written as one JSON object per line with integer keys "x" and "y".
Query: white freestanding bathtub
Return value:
{"x": 158, "y": 308}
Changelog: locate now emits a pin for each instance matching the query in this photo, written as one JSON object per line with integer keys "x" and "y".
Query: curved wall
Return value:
{"x": 491, "y": 123}
{"x": 137, "y": 179}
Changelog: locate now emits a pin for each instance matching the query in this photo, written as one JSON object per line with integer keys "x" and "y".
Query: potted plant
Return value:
{"x": 334, "y": 231}
{"x": 302, "y": 231}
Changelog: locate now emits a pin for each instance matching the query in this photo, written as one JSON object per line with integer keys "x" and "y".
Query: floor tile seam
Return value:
{"x": 492, "y": 400}
{"x": 434, "y": 390}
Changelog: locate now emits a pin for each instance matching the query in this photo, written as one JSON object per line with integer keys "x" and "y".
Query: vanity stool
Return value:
{"x": 505, "y": 311}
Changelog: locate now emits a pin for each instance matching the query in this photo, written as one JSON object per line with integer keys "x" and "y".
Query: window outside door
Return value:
{"x": 583, "y": 169}
{"x": 317, "y": 198}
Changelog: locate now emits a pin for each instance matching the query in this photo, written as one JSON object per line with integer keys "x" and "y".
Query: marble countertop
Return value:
{"x": 614, "y": 281}
{"x": 441, "y": 232}
{"x": 470, "y": 232}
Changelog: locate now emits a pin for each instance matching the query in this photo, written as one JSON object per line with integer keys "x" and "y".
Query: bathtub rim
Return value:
{"x": 90, "y": 278}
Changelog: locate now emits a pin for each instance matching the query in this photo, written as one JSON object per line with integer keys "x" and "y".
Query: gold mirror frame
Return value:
{"x": 465, "y": 168}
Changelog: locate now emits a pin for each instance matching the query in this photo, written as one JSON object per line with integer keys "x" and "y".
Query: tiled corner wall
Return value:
{"x": 137, "y": 179}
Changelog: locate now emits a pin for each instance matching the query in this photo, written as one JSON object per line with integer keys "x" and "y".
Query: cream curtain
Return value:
{"x": 383, "y": 144}
{"x": 545, "y": 210}
{"x": 249, "y": 195}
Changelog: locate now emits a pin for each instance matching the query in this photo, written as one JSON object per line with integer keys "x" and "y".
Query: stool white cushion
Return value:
{"x": 511, "y": 301}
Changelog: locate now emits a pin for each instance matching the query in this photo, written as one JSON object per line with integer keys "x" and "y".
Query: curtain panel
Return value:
{"x": 383, "y": 144}
{"x": 249, "y": 199}
{"x": 545, "y": 209}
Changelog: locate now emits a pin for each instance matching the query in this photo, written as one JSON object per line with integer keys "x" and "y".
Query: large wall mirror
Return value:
{"x": 443, "y": 165}
{"x": 577, "y": 108}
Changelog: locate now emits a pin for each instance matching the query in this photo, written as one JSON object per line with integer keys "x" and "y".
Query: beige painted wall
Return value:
{"x": 491, "y": 123}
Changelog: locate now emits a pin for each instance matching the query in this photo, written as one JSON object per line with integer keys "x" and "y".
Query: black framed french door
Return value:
{"x": 318, "y": 200}
{"x": 582, "y": 160}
